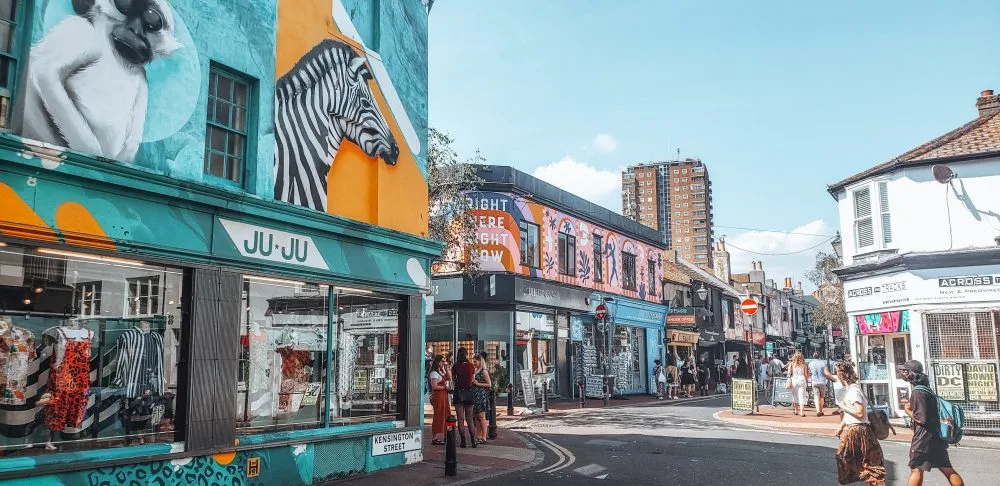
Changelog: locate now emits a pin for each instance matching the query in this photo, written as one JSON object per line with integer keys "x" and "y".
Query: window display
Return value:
{"x": 367, "y": 358}
{"x": 283, "y": 361}
{"x": 80, "y": 366}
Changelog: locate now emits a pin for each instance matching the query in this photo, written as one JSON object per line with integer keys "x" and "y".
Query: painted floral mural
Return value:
{"x": 503, "y": 217}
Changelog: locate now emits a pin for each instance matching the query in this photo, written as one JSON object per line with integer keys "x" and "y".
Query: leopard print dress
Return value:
{"x": 69, "y": 383}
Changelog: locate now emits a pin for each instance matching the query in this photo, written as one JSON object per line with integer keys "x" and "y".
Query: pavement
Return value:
{"x": 683, "y": 443}
{"x": 511, "y": 452}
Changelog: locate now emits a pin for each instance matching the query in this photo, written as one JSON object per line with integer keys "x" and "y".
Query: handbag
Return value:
{"x": 467, "y": 396}
{"x": 662, "y": 378}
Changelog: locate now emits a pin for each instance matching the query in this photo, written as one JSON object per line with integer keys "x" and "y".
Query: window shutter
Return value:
{"x": 883, "y": 195}
{"x": 862, "y": 204}
{"x": 863, "y": 218}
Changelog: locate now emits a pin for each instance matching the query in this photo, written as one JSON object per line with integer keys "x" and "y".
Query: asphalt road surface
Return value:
{"x": 682, "y": 444}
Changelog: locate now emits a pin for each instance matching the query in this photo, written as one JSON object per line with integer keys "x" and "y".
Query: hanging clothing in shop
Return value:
{"x": 69, "y": 379}
{"x": 17, "y": 349}
{"x": 260, "y": 361}
{"x": 140, "y": 363}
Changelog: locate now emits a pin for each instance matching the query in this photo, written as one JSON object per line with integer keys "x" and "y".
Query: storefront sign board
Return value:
{"x": 981, "y": 380}
{"x": 938, "y": 285}
{"x": 744, "y": 395}
{"x": 883, "y": 323}
{"x": 411, "y": 440}
{"x": 949, "y": 381}
{"x": 259, "y": 242}
{"x": 781, "y": 392}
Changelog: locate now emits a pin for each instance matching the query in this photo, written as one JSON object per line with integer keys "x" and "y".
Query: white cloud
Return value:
{"x": 604, "y": 142}
{"x": 777, "y": 267}
{"x": 595, "y": 185}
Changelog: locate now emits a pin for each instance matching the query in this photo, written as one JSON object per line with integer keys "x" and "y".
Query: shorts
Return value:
{"x": 819, "y": 389}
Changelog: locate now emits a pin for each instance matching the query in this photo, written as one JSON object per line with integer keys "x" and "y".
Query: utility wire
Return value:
{"x": 772, "y": 231}
{"x": 728, "y": 244}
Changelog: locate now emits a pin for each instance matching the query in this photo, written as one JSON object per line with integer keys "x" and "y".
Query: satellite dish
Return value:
{"x": 942, "y": 173}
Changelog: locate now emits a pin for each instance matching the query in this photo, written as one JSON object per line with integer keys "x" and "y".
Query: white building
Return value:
{"x": 921, "y": 248}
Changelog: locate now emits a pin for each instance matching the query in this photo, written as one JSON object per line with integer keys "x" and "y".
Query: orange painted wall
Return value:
{"x": 359, "y": 187}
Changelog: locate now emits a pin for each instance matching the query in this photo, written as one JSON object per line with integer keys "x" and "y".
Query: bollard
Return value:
{"x": 582, "y": 397}
{"x": 491, "y": 431}
{"x": 545, "y": 395}
{"x": 510, "y": 400}
{"x": 450, "y": 454}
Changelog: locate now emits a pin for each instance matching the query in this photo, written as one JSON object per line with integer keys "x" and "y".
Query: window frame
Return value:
{"x": 246, "y": 174}
{"x": 17, "y": 56}
{"x": 152, "y": 297}
{"x": 598, "y": 259}
{"x": 524, "y": 227}
{"x": 651, "y": 276}
{"x": 629, "y": 281}
{"x": 566, "y": 253}
{"x": 93, "y": 300}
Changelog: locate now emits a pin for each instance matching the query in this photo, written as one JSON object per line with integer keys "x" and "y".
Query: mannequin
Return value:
{"x": 17, "y": 349}
{"x": 69, "y": 378}
{"x": 139, "y": 375}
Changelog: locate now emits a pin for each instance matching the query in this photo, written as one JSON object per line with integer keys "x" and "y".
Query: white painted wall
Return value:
{"x": 920, "y": 207}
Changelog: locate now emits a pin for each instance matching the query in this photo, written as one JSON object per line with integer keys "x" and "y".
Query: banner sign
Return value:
{"x": 744, "y": 395}
{"x": 883, "y": 323}
{"x": 528, "y": 386}
{"x": 949, "y": 381}
{"x": 981, "y": 380}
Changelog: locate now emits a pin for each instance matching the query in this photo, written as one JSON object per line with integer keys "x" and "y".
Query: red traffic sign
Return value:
{"x": 749, "y": 306}
{"x": 601, "y": 312}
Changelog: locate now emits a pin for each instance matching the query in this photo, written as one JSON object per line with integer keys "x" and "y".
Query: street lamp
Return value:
{"x": 702, "y": 293}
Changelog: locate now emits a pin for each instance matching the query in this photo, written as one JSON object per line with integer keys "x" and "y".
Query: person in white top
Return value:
{"x": 817, "y": 369}
{"x": 859, "y": 457}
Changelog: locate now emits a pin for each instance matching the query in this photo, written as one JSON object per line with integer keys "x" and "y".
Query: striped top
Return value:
{"x": 140, "y": 363}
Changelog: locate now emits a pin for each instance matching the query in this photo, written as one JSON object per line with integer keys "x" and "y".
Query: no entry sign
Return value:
{"x": 749, "y": 306}
{"x": 601, "y": 312}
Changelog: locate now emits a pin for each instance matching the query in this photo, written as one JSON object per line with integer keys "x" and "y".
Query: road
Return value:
{"x": 682, "y": 444}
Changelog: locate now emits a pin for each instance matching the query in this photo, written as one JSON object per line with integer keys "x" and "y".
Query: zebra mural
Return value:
{"x": 324, "y": 99}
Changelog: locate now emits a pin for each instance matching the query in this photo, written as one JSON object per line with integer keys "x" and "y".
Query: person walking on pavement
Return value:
{"x": 798, "y": 375}
{"x": 764, "y": 375}
{"x": 703, "y": 377}
{"x": 673, "y": 381}
{"x": 688, "y": 376}
{"x": 438, "y": 378}
{"x": 465, "y": 395}
{"x": 859, "y": 456}
{"x": 484, "y": 386}
{"x": 927, "y": 450}
{"x": 817, "y": 370}
{"x": 775, "y": 368}
{"x": 661, "y": 378}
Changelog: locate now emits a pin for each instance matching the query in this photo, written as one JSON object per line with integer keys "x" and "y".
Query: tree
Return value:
{"x": 450, "y": 219}
{"x": 830, "y": 292}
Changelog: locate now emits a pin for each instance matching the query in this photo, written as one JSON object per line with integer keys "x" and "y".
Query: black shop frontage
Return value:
{"x": 522, "y": 325}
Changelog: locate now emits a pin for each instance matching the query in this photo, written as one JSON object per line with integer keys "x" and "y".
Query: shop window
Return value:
{"x": 366, "y": 374}
{"x": 228, "y": 122}
{"x": 535, "y": 333}
{"x": 567, "y": 254}
{"x": 651, "y": 275}
{"x": 13, "y": 40}
{"x": 530, "y": 255}
{"x": 598, "y": 259}
{"x": 628, "y": 271}
{"x": 283, "y": 343}
{"x": 76, "y": 378}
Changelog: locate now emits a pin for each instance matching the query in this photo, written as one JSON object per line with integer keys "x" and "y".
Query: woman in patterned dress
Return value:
{"x": 859, "y": 457}
{"x": 483, "y": 386}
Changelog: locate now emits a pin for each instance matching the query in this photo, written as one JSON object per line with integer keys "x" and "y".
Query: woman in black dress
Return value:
{"x": 483, "y": 385}
{"x": 927, "y": 450}
{"x": 688, "y": 372}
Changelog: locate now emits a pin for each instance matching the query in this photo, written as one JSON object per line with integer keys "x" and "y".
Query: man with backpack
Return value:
{"x": 929, "y": 449}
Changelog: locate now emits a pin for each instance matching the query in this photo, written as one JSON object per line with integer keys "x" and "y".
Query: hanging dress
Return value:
{"x": 69, "y": 382}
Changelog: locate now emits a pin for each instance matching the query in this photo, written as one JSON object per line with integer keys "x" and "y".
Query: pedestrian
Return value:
{"x": 703, "y": 377}
{"x": 688, "y": 376}
{"x": 742, "y": 367}
{"x": 819, "y": 382}
{"x": 798, "y": 381}
{"x": 838, "y": 390}
{"x": 859, "y": 456}
{"x": 673, "y": 381}
{"x": 661, "y": 378}
{"x": 465, "y": 395}
{"x": 439, "y": 398}
{"x": 483, "y": 386}
{"x": 763, "y": 375}
{"x": 927, "y": 450}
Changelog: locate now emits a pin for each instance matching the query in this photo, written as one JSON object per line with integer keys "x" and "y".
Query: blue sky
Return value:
{"x": 778, "y": 98}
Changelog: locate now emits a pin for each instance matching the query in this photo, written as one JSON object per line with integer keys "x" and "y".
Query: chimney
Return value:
{"x": 799, "y": 291}
{"x": 788, "y": 284}
{"x": 988, "y": 103}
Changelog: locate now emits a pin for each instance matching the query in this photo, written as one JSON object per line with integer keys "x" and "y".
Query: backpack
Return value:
{"x": 880, "y": 424}
{"x": 950, "y": 418}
